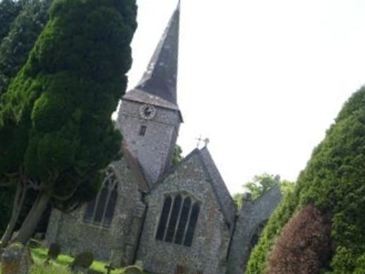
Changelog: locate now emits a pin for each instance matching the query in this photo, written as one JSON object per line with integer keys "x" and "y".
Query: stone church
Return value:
{"x": 171, "y": 219}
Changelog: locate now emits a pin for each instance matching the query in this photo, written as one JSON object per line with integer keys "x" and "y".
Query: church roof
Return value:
{"x": 160, "y": 78}
{"x": 136, "y": 169}
{"x": 223, "y": 196}
{"x": 141, "y": 96}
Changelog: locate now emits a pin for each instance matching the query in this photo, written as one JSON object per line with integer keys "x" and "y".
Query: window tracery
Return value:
{"x": 178, "y": 220}
{"x": 100, "y": 211}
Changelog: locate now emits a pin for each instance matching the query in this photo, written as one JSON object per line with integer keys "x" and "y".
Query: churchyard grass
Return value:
{"x": 49, "y": 269}
{"x": 40, "y": 254}
{"x": 59, "y": 266}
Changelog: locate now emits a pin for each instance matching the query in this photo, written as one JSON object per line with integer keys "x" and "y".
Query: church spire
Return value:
{"x": 161, "y": 75}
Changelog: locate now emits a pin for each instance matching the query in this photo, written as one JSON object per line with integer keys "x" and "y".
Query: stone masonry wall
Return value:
{"x": 153, "y": 150}
{"x": 211, "y": 239}
{"x": 117, "y": 243}
{"x": 252, "y": 216}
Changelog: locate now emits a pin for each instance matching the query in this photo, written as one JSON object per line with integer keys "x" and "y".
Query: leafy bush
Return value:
{"x": 281, "y": 215}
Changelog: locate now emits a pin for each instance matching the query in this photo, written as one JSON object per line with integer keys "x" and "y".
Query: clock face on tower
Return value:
{"x": 147, "y": 111}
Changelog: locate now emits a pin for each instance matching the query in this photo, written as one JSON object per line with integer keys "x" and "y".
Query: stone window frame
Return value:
{"x": 169, "y": 226}
{"x": 100, "y": 211}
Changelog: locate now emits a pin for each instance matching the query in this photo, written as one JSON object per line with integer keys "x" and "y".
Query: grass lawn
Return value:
{"x": 40, "y": 255}
{"x": 60, "y": 265}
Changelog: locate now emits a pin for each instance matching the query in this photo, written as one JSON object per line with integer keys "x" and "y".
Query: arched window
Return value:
{"x": 178, "y": 220}
{"x": 100, "y": 211}
{"x": 192, "y": 224}
{"x": 163, "y": 219}
{"x": 173, "y": 219}
{"x": 183, "y": 221}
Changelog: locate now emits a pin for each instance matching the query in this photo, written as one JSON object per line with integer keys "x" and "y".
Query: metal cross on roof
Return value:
{"x": 202, "y": 141}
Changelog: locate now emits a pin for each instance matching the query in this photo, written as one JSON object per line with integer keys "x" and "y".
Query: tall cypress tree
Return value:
{"x": 56, "y": 133}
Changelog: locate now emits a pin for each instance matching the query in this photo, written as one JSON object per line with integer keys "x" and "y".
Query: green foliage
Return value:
{"x": 55, "y": 118}
{"x": 177, "y": 156}
{"x": 262, "y": 183}
{"x": 62, "y": 262}
{"x": 237, "y": 198}
{"x": 9, "y": 9}
{"x": 49, "y": 269}
{"x": 23, "y": 32}
{"x": 334, "y": 180}
{"x": 258, "y": 257}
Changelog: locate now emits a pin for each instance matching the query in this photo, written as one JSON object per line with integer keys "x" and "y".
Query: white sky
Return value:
{"x": 262, "y": 79}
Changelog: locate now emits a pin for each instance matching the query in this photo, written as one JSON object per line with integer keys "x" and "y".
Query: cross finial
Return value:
{"x": 206, "y": 142}
{"x": 202, "y": 141}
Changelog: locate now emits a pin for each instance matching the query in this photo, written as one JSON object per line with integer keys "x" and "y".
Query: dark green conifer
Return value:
{"x": 55, "y": 118}
{"x": 334, "y": 181}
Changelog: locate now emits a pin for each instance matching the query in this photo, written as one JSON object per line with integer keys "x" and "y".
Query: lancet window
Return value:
{"x": 178, "y": 220}
{"x": 100, "y": 211}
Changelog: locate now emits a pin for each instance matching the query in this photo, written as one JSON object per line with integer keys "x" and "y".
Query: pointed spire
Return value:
{"x": 161, "y": 75}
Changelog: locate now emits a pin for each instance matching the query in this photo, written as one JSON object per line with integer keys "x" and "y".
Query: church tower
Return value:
{"x": 149, "y": 117}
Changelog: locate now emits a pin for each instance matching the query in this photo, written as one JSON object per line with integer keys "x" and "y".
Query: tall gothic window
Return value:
{"x": 178, "y": 220}
{"x": 100, "y": 211}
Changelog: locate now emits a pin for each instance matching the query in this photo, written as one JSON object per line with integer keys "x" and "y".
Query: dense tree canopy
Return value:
{"x": 261, "y": 184}
{"x": 14, "y": 50}
{"x": 9, "y": 10}
{"x": 333, "y": 181}
{"x": 56, "y": 132}
{"x": 23, "y": 32}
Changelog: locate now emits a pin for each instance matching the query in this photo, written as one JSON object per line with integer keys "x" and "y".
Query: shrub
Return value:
{"x": 303, "y": 245}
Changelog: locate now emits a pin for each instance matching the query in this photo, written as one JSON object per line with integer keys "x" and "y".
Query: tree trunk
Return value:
{"x": 17, "y": 207}
{"x": 30, "y": 223}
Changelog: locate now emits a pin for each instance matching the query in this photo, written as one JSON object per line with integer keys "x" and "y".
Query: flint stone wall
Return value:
{"x": 154, "y": 149}
{"x": 211, "y": 238}
{"x": 116, "y": 243}
{"x": 252, "y": 217}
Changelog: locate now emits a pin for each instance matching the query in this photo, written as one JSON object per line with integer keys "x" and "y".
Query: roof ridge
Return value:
{"x": 230, "y": 212}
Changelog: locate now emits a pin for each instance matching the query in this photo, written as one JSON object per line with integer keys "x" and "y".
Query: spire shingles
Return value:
{"x": 161, "y": 75}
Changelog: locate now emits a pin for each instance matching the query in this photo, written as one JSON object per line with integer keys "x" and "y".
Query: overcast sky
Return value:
{"x": 262, "y": 79}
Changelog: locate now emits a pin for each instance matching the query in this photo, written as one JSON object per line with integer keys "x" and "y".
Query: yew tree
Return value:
{"x": 56, "y": 133}
{"x": 334, "y": 182}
